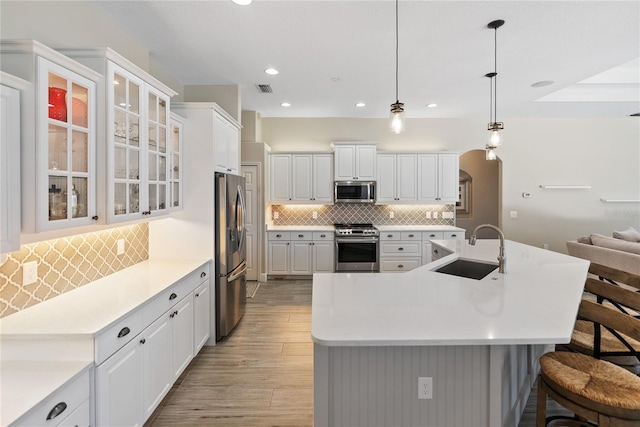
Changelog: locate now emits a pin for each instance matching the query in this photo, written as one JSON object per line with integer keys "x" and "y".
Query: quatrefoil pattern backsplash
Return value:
{"x": 355, "y": 213}
{"x": 68, "y": 263}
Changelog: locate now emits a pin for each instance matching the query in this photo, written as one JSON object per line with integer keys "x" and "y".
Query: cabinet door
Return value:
{"x": 365, "y": 162}
{"x": 386, "y": 191}
{"x": 201, "y": 315}
{"x": 157, "y": 372}
{"x": 427, "y": 178}
{"x": 220, "y": 143}
{"x": 233, "y": 149}
{"x": 278, "y": 258}
{"x": 301, "y": 257}
{"x": 345, "y": 162}
{"x": 126, "y": 150}
{"x": 280, "y": 177}
{"x": 119, "y": 388}
{"x": 448, "y": 177}
{"x": 182, "y": 326}
{"x": 302, "y": 178}
{"x": 176, "y": 133}
{"x": 66, "y": 148}
{"x": 323, "y": 178}
{"x": 9, "y": 169}
{"x": 323, "y": 253}
{"x": 407, "y": 179}
{"x": 157, "y": 153}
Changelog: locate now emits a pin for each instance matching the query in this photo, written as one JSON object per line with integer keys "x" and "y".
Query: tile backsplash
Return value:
{"x": 68, "y": 263}
{"x": 355, "y": 213}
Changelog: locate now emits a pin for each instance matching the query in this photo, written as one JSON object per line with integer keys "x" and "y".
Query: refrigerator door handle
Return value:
{"x": 242, "y": 268}
{"x": 240, "y": 225}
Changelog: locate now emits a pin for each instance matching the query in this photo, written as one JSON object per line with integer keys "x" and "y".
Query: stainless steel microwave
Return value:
{"x": 355, "y": 192}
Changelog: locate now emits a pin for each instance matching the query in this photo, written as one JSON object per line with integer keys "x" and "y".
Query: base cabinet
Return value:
{"x": 201, "y": 315}
{"x": 300, "y": 253}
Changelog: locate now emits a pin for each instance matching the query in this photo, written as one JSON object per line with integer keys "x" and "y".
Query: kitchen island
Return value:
{"x": 479, "y": 340}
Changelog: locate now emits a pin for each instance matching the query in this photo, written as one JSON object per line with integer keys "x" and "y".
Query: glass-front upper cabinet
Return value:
{"x": 58, "y": 148}
{"x": 68, "y": 143}
{"x": 175, "y": 161}
{"x": 138, "y": 170}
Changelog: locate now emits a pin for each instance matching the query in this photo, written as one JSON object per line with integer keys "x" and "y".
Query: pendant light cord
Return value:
{"x": 397, "y": 99}
{"x": 495, "y": 70}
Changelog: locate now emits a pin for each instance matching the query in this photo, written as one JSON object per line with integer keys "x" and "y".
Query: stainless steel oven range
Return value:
{"x": 357, "y": 248}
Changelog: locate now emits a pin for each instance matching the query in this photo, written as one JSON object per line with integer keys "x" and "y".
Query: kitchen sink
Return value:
{"x": 467, "y": 268}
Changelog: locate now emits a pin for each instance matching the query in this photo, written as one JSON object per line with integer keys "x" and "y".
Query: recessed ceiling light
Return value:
{"x": 242, "y": 2}
{"x": 432, "y": 105}
{"x": 285, "y": 104}
{"x": 360, "y": 104}
{"x": 542, "y": 83}
{"x": 271, "y": 71}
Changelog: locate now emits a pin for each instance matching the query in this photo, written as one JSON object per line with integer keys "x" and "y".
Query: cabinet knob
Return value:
{"x": 124, "y": 332}
{"x": 56, "y": 410}
{"x": 400, "y": 266}
{"x": 172, "y": 315}
{"x": 176, "y": 312}
{"x": 142, "y": 341}
{"x": 197, "y": 295}
{"x": 203, "y": 274}
{"x": 323, "y": 235}
{"x": 173, "y": 296}
{"x": 95, "y": 217}
{"x": 435, "y": 251}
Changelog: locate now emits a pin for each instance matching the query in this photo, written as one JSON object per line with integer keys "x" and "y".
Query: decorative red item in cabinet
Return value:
{"x": 57, "y": 104}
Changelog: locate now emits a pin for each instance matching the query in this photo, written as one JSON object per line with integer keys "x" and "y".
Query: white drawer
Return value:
{"x": 66, "y": 399}
{"x": 410, "y": 235}
{"x": 169, "y": 297}
{"x": 323, "y": 235}
{"x": 79, "y": 418}
{"x": 401, "y": 249}
{"x": 432, "y": 235}
{"x": 301, "y": 235}
{"x": 401, "y": 264}
{"x": 278, "y": 235}
{"x": 390, "y": 235}
{"x": 458, "y": 235}
{"x": 111, "y": 340}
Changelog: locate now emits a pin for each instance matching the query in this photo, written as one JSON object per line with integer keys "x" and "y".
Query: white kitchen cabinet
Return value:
{"x": 10, "y": 162}
{"x": 58, "y": 130}
{"x": 157, "y": 376}
{"x": 397, "y": 178}
{"x": 438, "y": 178}
{"x": 183, "y": 335}
{"x": 301, "y": 178}
{"x": 226, "y": 140}
{"x": 176, "y": 141}
{"x": 133, "y": 111}
{"x": 354, "y": 162}
{"x": 400, "y": 251}
{"x": 201, "y": 315}
{"x": 300, "y": 252}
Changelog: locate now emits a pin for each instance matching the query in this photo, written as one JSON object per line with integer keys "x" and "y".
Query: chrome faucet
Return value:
{"x": 502, "y": 258}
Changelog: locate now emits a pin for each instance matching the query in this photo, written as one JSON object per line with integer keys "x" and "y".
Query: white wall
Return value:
{"x": 603, "y": 153}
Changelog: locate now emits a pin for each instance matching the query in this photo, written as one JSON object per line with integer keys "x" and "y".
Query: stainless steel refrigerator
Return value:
{"x": 230, "y": 256}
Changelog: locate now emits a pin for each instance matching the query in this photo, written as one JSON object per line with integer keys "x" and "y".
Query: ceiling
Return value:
{"x": 333, "y": 54}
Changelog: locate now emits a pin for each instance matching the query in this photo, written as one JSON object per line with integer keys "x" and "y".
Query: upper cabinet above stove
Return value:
{"x": 354, "y": 162}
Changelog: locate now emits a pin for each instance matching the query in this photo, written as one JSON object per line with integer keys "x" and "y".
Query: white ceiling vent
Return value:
{"x": 264, "y": 88}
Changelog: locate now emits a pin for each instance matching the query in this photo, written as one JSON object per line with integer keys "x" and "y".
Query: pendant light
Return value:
{"x": 397, "y": 117}
{"x": 494, "y": 127}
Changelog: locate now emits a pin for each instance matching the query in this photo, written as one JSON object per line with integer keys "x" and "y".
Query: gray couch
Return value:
{"x": 616, "y": 253}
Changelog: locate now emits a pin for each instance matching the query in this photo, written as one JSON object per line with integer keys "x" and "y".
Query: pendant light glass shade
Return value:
{"x": 490, "y": 153}
{"x": 495, "y": 134}
{"x": 397, "y": 118}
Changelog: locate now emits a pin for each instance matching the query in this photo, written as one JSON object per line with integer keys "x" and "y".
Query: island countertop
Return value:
{"x": 535, "y": 302}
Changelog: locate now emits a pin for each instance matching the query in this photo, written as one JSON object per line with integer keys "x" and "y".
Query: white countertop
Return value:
{"x": 94, "y": 307}
{"x": 419, "y": 228}
{"x": 535, "y": 302}
{"x": 300, "y": 227}
{"x": 25, "y": 384}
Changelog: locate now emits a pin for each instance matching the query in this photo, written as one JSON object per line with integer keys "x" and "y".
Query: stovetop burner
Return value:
{"x": 365, "y": 229}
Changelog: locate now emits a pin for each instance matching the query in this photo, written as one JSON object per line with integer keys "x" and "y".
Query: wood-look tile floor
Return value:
{"x": 261, "y": 375}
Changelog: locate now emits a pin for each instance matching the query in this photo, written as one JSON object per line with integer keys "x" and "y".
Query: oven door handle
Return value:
{"x": 357, "y": 240}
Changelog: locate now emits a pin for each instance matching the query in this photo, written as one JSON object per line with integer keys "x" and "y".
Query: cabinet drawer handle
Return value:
{"x": 278, "y": 235}
{"x": 454, "y": 235}
{"x": 410, "y": 235}
{"x": 432, "y": 235}
{"x": 203, "y": 274}
{"x": 400, "y": 266}
{"x": 301, "y": 235}
{"x": 389, "y": 235}
{"x": 401, "y": 249}
{"x": 172, "y": 315}
{"x": 124, "y": 332}
{"x": 56, "y": 410}
{"x": 142, "y": 341}
{"x": 173, "y": 296}
{"x": 197, "y": 295}
{"x": 323, "y": 235}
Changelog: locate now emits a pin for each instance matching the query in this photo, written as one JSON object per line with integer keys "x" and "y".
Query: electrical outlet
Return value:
{"x": 435, "y": 215}
{"x": 276, "y": 215}
{"x": 29, "y": 272}
{"x": 392, "y": 214}
{"x": 314, "y": 215}
{"x": 428, "y": 214}
{"x": 425, "y": 387}
{"x": 120, "y": 248}
{"x": 513, "y": 214}
{"x": 546, "y": 246}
